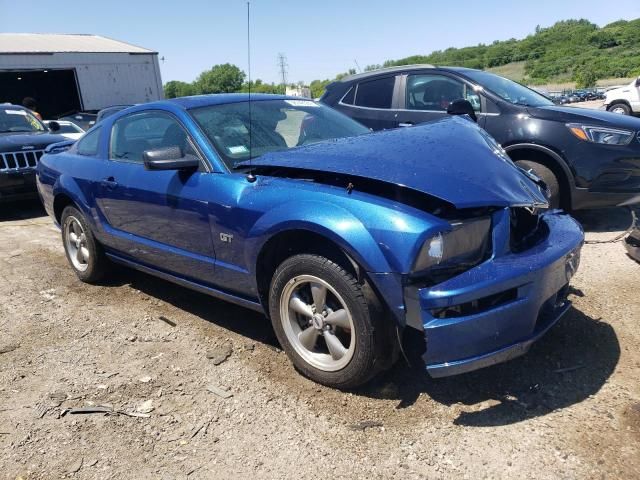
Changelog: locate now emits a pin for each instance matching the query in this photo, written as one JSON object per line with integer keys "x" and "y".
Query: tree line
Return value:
{"x": 575, "y": 50}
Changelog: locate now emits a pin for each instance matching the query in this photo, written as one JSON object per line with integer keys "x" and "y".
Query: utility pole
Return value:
{"x": 282, "y": 66}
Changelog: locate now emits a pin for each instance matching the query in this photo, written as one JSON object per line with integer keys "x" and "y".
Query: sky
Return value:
{"x": 319, "y": 38}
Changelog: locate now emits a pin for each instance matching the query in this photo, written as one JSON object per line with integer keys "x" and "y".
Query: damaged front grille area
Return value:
{"x": 476, "y": 306}
{"x": 12, "y": 161}
{"x": 526, "y": 228}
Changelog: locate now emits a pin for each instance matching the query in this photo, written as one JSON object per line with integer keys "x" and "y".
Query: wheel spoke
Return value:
{"x": 297, "y": 305}
{"x": 73, "y": 237}
{"x": 308, "y": 338}
{"x": 319, "y": 294}
{"x": 336, "y": 349}
{"x": 84, "y": 253}
{"x": 339, "y": 318}
{"x": 75, "y": 226}
{"x": 79, "y": 257}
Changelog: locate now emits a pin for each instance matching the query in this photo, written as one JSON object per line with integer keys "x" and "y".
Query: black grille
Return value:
{"x": 19, "y": 160}
{"x": 526, "y": 229}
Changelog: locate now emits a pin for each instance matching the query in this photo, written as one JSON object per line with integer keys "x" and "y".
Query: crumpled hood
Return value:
{"x": 452, "y": 159}
{"x": 586, "y": 116}
{"x": 13, "y": 142}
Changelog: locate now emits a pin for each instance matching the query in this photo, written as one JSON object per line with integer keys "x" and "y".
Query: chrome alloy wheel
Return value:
{"x": 317, "y": 323}
{"x": 76, "y": 243}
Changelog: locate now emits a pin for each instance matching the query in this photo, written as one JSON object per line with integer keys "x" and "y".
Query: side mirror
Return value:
{"x": 54, "y": 126}
{"x": 169, "y": 158}
{"x": 462, "y": 107}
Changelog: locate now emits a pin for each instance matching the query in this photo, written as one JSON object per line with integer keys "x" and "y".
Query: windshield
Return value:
{"x": 277, "y": 125}
{"x": 508, "y": 90}
{"x": 69, "y": 128}
{"x": 18, "y": 120}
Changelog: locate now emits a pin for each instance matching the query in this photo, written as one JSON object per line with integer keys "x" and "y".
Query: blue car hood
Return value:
{"x": 451, "y": 159}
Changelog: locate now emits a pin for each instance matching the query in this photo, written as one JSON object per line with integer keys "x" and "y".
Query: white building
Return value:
{"x": 298, "y": 91}
{"x": 70, "y": 73}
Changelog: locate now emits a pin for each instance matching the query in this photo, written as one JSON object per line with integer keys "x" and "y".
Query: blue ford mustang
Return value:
{"x": 341, "y": 236}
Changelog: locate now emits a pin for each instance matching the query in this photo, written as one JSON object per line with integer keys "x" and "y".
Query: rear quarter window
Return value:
{"x": 88, "y": 144}
{"x": 376, "y": 93}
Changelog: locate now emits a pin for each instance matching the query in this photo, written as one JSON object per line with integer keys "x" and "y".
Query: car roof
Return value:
{"x": 224, "y": 98}
{"x": 12, "y": 106}
{"x": 373, "y": 73}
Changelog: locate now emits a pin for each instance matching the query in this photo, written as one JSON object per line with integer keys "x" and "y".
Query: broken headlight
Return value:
{"x": 465, "y": 246}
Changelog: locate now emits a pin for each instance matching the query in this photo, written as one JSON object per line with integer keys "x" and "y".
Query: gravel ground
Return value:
{"x": 146, "y": 352}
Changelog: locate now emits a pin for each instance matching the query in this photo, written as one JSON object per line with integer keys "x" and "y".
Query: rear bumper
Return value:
{"x": 18, "y": 185}
{"x": 495, "y": 311}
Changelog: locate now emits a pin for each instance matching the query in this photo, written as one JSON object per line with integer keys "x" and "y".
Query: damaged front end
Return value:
{"x": 496, "y": 308}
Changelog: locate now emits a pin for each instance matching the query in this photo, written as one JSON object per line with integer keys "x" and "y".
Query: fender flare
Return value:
{"x": 562, "y": 163}
{"x": 328, "y": 220}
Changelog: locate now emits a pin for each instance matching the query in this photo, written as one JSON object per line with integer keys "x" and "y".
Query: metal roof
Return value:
{"x": 33, "y": 43}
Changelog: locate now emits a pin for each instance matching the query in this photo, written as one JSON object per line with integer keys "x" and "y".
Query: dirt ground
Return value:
{"x": 138, "y": 348}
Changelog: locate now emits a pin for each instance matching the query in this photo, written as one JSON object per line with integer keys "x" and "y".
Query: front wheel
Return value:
{"x": 325, "y": 323}
{"x": 84, "y": 253}
{"x": 621, "y": 108}
{"x": 547, "y": 176}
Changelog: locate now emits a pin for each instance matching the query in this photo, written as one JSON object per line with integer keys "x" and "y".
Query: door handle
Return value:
{"x": 405, "y": 124}
{"x": 109, "y": 182}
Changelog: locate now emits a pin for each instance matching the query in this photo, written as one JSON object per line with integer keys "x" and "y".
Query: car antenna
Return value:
{"x": 250, "y": 176}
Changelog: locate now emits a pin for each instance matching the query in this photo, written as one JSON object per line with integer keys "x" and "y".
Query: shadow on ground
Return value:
{"x": 570, "y": 363}
{"x": 605, "y": 219}
{"x": 21, "y": 210}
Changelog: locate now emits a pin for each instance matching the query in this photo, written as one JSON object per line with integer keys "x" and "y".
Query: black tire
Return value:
{"x": 547, "y": 176}
{"x": 97, "y": 264}
{"x": 621, "y": 108}
{"x": 371, "y": 334}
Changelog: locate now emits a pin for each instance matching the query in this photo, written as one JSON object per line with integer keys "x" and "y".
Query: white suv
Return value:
{"x": 624, "y": 100}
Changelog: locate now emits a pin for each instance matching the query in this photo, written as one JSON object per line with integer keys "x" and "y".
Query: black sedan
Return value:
{"x": 587, "y": 158}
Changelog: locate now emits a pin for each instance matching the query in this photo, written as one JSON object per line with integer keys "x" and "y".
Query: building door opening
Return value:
{"x": 55, "y": 91}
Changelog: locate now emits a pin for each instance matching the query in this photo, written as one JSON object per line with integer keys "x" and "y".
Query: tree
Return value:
{"x": 176, "y": 88}
{"x": 225, "y": 78}
{"x": 585, "y": 77}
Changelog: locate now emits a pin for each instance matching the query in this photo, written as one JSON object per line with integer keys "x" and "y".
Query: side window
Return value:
{"x": 132, "y": 135}
{"x": 376, "y": 93}
{"x": 436, "y": 92}
{"x": 88, "y": 144}
{"x": 350, "y": 95}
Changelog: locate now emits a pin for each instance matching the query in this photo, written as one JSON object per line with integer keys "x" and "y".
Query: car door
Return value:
{"x": 156, "y": 217}
{"x": 372, "y": 102}
{"x": 426, "y": 96}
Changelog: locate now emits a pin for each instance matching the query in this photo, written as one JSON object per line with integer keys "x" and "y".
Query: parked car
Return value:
{"x": 588, "y": 158}
{"x": 108, "y": 111}
{"x": 23, "y": 139}
{"x": 561, "y": 100}
{"x": 67, "y": 129}
{"x": 341, "y": 236}
{"x": 624, "y": 100}
{"x": 84, "y": 120}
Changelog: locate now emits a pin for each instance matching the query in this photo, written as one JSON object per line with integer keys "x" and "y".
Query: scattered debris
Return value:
{"x": 51, "y": 401}
{"x": 219, "y": 354}
{"x": 134, "y": 414}
{"x": 568, "y": 369}
{"x": 167, "y": 321}
{"x": 220, "y": 392}
{"x": 9, "y": 348}
{"x": 91, "y": 409}
{"x": 145, "y": 379}
{"x": 145, "y": 407}
{"x": 363, "y": 425}
{"x": 48, "y": 294}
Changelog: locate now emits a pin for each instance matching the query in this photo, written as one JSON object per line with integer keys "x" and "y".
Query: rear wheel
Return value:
{"x": 325, "y": 323}
{"x": 84, "y": 253}
{"x": 621, "y": 108}
{"x": 547, "y": 176}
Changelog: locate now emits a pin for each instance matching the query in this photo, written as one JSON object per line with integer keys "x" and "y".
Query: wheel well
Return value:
{"x": 293, "y": 242}
{"x": 552, "y": 164}
{"x": 59, "y": 204}
{"x": 614, "y": 102}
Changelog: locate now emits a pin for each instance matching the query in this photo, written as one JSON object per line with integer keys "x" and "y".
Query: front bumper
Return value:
{"x": 495, "y": 311}
{"x": 18, "y": 185}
